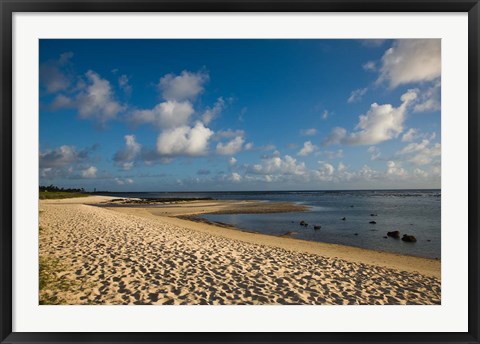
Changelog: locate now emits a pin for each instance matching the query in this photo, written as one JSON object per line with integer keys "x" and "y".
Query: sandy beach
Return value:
{"x": 149, "y": 255}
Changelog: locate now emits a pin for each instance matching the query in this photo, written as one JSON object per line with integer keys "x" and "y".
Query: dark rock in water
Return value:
{"x": 344, "y": 219}
{"x": 409, "y": 238}
{"x": 429, "y": 240}
{"x": 385, "y": 237}
{"x": 372, "y": 222}
{"x": 355, "y": 234}
{"x": 351, "y": 206}
{"x": 394, "y": 234}
{"x": 373, "y": 215}
{"x": 317, "y": 227}
{"x": 303, "y": 223}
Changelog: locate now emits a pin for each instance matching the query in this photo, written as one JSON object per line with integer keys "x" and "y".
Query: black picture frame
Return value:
{"x": 9, "y": 7}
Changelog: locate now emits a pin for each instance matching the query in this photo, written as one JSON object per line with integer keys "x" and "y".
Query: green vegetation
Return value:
{"x": 54, "y": 192}
{"x": 50, "y": 284}
{"x": 60, "y": 194}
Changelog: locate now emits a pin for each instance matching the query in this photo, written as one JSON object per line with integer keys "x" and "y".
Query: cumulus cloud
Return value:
{"x": 232, "y": 161}
{"x": 63, "y": 156}
{"x": 379, "y": 124}
{"x": 395, "y": 170}
{"x": 429, "y": 99}
{"x": 186, "y": 86}
{"x": 417, "y": 172}
{"x": 411, "y": 60}
{"x": 96, "y": 100}
{"x": 212, "y": 113}
{"x": 184, "y": 140}
{"x": 89, "y": 172}
{"x": 308, "y": 132}
{"x": 230, "y": 148}
{"x": 165, "y": 115}
{"x": 421, "y": 153}
{"x": 357, "y": 95}
{"x": 53, "y": 77}
{"x": 308, "y": 148}
{"x": 414, "y": 147}
{"x": 325, "y": 170}
{"x": 126, "y": 156}
{"x": 336, "y": 136}
{"x": 123, "y": 181}
{"x": 276, "y": 165}
{"x": 235, "y": 177}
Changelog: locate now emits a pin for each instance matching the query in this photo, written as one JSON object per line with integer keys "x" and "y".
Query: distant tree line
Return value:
{"x": 53, "y": 188}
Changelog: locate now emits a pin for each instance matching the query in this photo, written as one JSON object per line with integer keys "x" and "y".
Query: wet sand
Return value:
{"x": 147, "y": 255}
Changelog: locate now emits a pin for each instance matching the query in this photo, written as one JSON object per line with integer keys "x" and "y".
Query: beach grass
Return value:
{"x": 60, "y": 194}
{"x": 50, "y": 285}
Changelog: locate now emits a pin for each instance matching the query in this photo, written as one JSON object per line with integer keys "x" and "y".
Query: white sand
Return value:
{"x": 132, "y": 256}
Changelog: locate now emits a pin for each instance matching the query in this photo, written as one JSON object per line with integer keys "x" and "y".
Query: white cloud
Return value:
{"x": 232, "y": 161}
{"x": 395, "y": 170}
{"x": 427, "y": 155}
{"x": 232, "y": 147}
{"x": 166, "y": 115}
{"x": 235, "y": 177}
{"x": 410, "y": 135}
{"x": 249, "y": 146}
{"x": 325, "y": 114}
{"x": 186, "y": 86}
{"x": 309, "y": 132}
{"x": 228, "y": 134}
{"x": 421, "y": 153}
{"x": 277, "y": 165}
{"x": 212, "y": 113}
{"x": 62, "y": 156}
{"x": 96, "y": 100}
{"x": 90, "y": 172}
{"x": 369, "y": 66}
{"x": 126, "y": 156}
{"x": 184, "y": 140}
{"x": 429, "y": 100}
{"x": 414, "y": 147}
{"x": 375, "y": 152}
{"x": 332, "y": 154}
{"x": 308, "y": 148}
{"x": 411, "y": 60}
{"x": 123, "y": 83}
{"x": 61, "y": 101}
{"x": 123, "y": 181}
{"x": 382, "y": 122}
{"x": 336, "y": 136}
{"x": 93, "y": 98}
{"x": 420, "y": 173}
{"x": 53, "y": 78}
{"x": 357, "y": 95}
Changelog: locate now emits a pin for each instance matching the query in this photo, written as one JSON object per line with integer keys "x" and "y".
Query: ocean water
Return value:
{"x": 413, "y": 212}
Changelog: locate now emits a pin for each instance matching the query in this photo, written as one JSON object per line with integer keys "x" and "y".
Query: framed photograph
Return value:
{"x": 238, "y": 171}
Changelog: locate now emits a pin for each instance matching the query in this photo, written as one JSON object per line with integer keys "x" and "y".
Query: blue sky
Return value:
{"x": 201, "y": 115}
